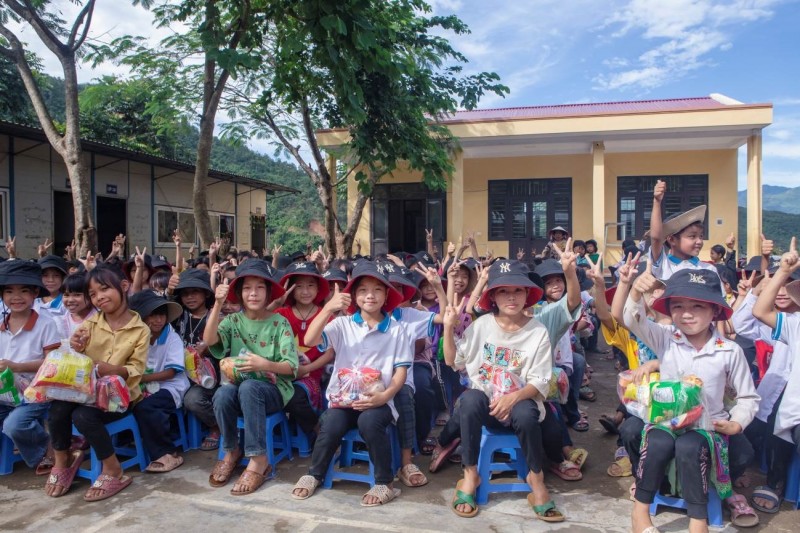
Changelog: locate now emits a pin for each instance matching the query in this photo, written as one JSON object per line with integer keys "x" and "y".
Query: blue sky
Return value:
{"x": 568, "y": 51}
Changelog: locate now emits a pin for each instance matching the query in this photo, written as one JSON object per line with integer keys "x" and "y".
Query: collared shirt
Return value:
{"x": 720, "y": 364}
{"x": 37, "y": 335}
{"x": 665, "y": 265}
{"x": 385, "y": 347}
{"x": 54, "y": 308}
{"x": 167, "y": 354}
{"x": 126, "y": 347}
{"x": 787, "y": 331}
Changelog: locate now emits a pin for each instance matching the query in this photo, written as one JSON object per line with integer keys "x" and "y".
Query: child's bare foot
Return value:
{"x": 379, "y": 495}
{"x": 257, "y": 471}
{"x": 98, "y": 492}
{"x": 640, "y": 518}
{"x": 305, "y": 487}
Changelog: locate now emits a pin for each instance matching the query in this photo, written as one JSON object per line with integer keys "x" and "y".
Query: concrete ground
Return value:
{"x": 183, "y": 500}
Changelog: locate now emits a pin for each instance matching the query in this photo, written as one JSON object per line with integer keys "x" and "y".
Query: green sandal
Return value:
{"x": 546, "y": 512}
{"x": 460, "y": 498}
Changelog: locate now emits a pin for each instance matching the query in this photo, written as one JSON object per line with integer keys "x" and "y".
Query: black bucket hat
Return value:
{"x": 146, "y": 302}
{"x": 753, "y": 264}
{"x": 194, "y": 278}
{"x": 257, "y": 268}
{"x": 335, "y": 274}
{"x": 160, "y": 261}
{"x": 148, "y": 264}
{"x": 549, "y": 267}
{"x": 307, "y": 268}
{"x": 701, "y": 285}
{"x": 424, "y": 258}
{"x": 401, "y": 276}
{"x": 21, "y": 272}
{"x": 510, "y": 273}
{"x": 54, "y": 261}
{"x": 298, "y": 256}
{"x": 368, "y": 269}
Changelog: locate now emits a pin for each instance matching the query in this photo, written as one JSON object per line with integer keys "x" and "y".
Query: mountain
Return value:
{"x": 776, "y": 198}
{"x": 777, "y": 226}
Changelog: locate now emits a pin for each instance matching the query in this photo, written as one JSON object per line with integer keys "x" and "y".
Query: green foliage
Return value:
{"x": 777, "y": 226}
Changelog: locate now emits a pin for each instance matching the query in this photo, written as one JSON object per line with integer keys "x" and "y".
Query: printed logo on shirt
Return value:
{"x": 498, "y": 357}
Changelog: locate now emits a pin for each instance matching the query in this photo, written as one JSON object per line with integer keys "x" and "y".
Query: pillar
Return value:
{"x": 598, "y": 194}
{"x": 455, "y": 201}
{"x": 754, "y": 194}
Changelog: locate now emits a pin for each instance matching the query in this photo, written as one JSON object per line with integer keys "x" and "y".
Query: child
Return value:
{"x": 691, "y": 346}
{"x": 116, "y": 339}
{"x": 557, "y": 243}
{"x": 504, "y": 340}
{"x": 76, "y": 303}
{"x": 270, "y": 348}
{"x": 368, "y": 338}
{"x": 25, "y": 338}
{"x": 592, "y": 253}
{"x": 54, "y": 270}
{"x": 164, "y": 382}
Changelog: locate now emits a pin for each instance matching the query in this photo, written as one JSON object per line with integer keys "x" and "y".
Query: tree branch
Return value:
{"x": 287, "y": 143}
{"x": 28, "y": 13}
{"x": 87, "y": 10}
{"x": 312, "y": 141}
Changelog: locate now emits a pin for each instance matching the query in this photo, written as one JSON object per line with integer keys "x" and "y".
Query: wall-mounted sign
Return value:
{"x": 111, "y": 189}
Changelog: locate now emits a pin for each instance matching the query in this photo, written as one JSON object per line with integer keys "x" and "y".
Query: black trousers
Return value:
{"x": 90, "y": 421}
{"x": 371, "y": 424}
{"x": 153, "y": 416}
{"x": 300, "y": 410}
{"x": 472, "y": 413}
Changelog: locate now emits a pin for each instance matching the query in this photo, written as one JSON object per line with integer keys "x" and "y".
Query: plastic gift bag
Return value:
{"x": 677, "y": 404}
{"x": 231, "y": 374}
{"x": 635, "y": 398}
{"x": 9, "y": 393}
{"x": 112, "y": 394}
{"x": 64, "y": 375}
{"x": 354, "y": 384}
{"x": 505, "y": 382}
{"x": 199, "y": 369}
{"x": 559, "y": 386}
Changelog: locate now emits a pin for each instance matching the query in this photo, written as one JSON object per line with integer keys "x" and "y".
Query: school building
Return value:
{"x": 142, "y": 196}
{"x": 590, "y": 168}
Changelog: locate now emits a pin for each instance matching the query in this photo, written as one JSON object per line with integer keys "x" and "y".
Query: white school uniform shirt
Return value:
{"x": 665, "y": 265}
{"x": 54, "y": 308}
{"x": 167, "y": 354}
{"x": 780, "y": 365}
{"x": 787, "y": 331}
{"x": 419, "y": 325}
{"x": 720, "y": 364}
{"x": 485, "y": 347}
{"x": 67, "y": 325}
{"x": 29, "y": 343}
{"x": 385, "y": 347}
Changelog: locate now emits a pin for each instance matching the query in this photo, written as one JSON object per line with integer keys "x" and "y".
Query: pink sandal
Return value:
{"x": 567, "y": 470}
{"x": 439, "y": 456}
{"x": 109, "y": 485}
{"x": 63, "y": 477}
{"x": 742, "y": 515}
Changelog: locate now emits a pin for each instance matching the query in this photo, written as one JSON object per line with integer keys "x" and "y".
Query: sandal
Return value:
{"x": 428, "y": 445}
{"x": 45, "y": 466}
{"x": 224, "y": 470}
{"x": 409, "y": 471}
{"x": 567, "y": 470}
{"x": 63, "y": 477}
{"x": 587, "y": 394}
{"x": 578, "y": 456}
{"x": 308, "y": 483}
{"x": 455, "y": 457}
{"x": 442, "y": 418}
{"x": 209, "y": 443}
{"x": 108, "y": 485}
{"x": 440, "y": 454}
{"x": 581, "y": 425}
{"x": 609, "y": 424}
{"x": 621, "y": 467}
{"x": 766, "y": 493}
{"x": 251, "y": 480}
{"x": 742, "y": 515}
{"x": 167, "y": 463}
{"x": 546, "y": 512}
{"x": 463, "y": 498}
{"x": 383, "y": 493}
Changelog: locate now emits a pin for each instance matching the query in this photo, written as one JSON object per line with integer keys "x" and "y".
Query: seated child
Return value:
{"x": 691, "y": 346}
{"x": 25, "y": 338}
{"x": 368, "y": 338}
{"x": 54, "y": 270}
{"x": 76, "y": 303}
{"x": 271, "y": 356}
{"x": 116, "y": 339}
{"x": 164, "y": 382}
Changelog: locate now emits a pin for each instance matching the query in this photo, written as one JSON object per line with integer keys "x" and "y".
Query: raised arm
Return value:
{"x": 601, "y": 308}
{"x": 569, "y": 262}
{"x": 656, "y": 234}
{"x": 764, "y": 308}
{"x": 339, "y": 301}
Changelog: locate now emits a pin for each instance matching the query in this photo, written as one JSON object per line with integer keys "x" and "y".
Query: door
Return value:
{"x": 112, "y": 219}
{"x": 63, "y": 221}
{"x": 400, "y": 215}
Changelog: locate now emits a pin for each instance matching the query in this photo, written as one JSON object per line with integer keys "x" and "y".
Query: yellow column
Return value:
{"x": 754, "y": 194}
{"x": 455, "y": 199}
{"x": 598, "y": 193}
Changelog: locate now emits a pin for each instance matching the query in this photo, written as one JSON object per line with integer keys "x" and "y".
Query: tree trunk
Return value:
{"x": 85, "y": 231}
{"x": 202, "y": 164}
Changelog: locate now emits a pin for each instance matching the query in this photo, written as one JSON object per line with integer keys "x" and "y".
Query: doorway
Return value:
{"x": 112, "y": 219}
{"x": 400, "y": 215}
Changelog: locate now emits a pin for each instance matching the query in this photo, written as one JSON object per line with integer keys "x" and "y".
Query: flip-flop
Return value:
{"x": 109, "y": 485}
{"x": 439, "y": 456}
{"x": 460, "y": 498}
{"x": 209, "y": 443}
{"x": 409, "y": 471}
{"x": 160, "y": 466}
{"x": 742, "y": 515}
{"x": 562, "y": 468}
{"x": 609, "y": 425}
{"x": 252, "y": 481}
{"x": 428, "y": 445}
{"x": 766, "y": 493}
{"x": 64, "y": 477}
{"x": 546, "y": 512}
{"x": 45, "y": 466}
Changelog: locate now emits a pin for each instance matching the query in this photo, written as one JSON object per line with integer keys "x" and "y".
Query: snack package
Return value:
{"x": 199, "y": 369}
{"x": 505, "y": 382}
{"x": 9, "y": 394}
{"x": 559, "y": 386}
{"x": 354, "y": 384}
{"x": 636, "y": 398}
{"x": 676, "y": 404}
{"x": 231, "y": 374}
{"x": 64, "y": 375}
{"x": 112, "y": 394}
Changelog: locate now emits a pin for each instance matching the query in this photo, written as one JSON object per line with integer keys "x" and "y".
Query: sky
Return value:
{"x": 573, "y": 51}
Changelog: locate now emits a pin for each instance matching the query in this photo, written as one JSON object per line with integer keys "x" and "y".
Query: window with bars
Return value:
{"x": 526, "y": 209}
{"x": 635, "y": 200}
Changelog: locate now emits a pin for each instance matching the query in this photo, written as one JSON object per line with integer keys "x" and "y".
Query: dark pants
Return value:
{"x": 571, "y": 412}
{"x": 406, "y": 416}
{"x": 300, "y": 410}
{"x": 779, "y": 458}
{"x": 90, "y": 421}
{"x": 200, "y": 402}
{"x": 424, "y": 400}
{"x": 153, "y": 416}
{"x": 630, "y": 432}
{"x": 452, "y": 385}
{"x": 472, "y": 413}
{"x": 371, "y": 424}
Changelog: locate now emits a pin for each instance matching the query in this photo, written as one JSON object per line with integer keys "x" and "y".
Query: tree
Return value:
{"x": 65, "y": 42}
{"x": 375, "y": 67}
{"x": 192, "y": 69}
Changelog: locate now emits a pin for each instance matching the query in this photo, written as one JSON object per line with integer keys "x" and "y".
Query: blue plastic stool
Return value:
{"x": 279, "y": 444}
{"x": 136, "y": 455}
{"x": 195, "y": 431}
{"x": 183, "y": 440}
{"x": 8, "y": 456}
{"x": 793, "y": 482}
{"x": 300, "y": 440}
{"x": 500, "y": 440}
{"x": 347, "y": 455}
{"x": 714, "y": 506}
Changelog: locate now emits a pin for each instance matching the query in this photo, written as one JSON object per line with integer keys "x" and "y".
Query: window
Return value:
{"x": 635, "y": 200}
{"x": 4, "y": 212}
{"x": 170, "y": 218}
{"x": 527, "y": 209}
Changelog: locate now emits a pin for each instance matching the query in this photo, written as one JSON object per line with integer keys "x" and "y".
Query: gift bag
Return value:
{"x": 199, "y": 369}
{"x": 559, "y": 386}
{"x": 354, "y": 384}
{"x": 112, "y": 394}
{"x": 64, "y": 375}
{"x": 9, "y": 393}
{"x": 676, "y": 404}
{"x": 635, "y": 398}
{"x": 505, "y": 382}
{"x": 231, "y": 374}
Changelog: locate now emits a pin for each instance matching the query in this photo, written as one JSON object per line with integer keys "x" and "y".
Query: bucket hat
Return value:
{"x": 21, "y": 272}
{"x": 257, "y": 268}
{"x": 700, "y": 285}
{"x": 368, "y": 269}
{"x": 676, "y": 223}
{"x": 54, "y": 261}
{"x": 307, "y": 268}
{"x": 510, "y": 273}
{"x": 194, "y": 278}
{"x": 146, "y": 302}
